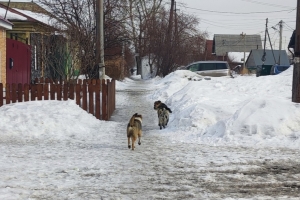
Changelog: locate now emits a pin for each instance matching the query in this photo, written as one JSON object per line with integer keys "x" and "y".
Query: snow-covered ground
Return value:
{"x": 226, "y": 139}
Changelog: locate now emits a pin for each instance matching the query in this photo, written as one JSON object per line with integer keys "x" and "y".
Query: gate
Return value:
{"x": 18, "y": 60}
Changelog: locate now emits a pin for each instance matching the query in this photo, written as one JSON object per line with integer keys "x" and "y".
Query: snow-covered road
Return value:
{"x": 99, "y": 168}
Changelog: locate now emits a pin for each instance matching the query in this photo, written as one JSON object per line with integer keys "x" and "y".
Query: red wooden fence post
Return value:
{"x": 33, "y": 92}
{"x": 91, "y": 97}
{"x": 97, "y": 93}
{"x": 71, "y": 91}
{"x": 78, "y": 94}
{"x": 52, "y": 91}
{"x": 26, "y": 92}
{"x": 46, "y": 90}
{"x": 1, "y": 94}
{"x": 84, "y": 95}
{"x": 108, "y": 98}
{"x": 13, "y": 93}
{"x": 20, "y": 92}
{"x": 65, "y": 91}
{"x": 39, "y": 88}
{"x": 114, "y": 87}
{"x": 104, "y": 100}
{"x": 58, "y": 91}
{"x": 7, "y": 94}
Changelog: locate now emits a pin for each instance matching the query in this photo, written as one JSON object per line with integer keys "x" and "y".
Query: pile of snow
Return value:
{"x": 246, "y": 110}
{"x": 50, "y": 120}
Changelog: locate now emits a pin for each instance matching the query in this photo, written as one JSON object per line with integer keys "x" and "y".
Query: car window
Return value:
{"x": 193, "y": 67}
{"x": 221, "y": 66}
{"x": 207, "y": 66}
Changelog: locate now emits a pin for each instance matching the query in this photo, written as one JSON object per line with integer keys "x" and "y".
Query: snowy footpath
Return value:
{"x": 103, "y": 167}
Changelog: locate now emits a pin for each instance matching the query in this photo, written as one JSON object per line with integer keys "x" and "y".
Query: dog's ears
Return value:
{"x": 156, "y": 102}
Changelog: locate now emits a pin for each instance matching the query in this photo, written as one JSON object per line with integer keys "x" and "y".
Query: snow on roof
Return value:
{"x": 238, "y": 56}
{"x": 11, "y": 16}
{"x": 5, "y": 24}
{"x": 38, "y": 16}
{"x": 25, "y": 15}
{"x": 17, "y": 0}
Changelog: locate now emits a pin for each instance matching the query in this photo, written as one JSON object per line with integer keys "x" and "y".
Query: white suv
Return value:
{"x": 210, "y": 68}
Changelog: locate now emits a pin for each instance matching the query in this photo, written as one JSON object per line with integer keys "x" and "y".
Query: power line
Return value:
{"x": 266, "y": 4}
{"x": 289, "y": 26}
{"x": 237, "y": 13}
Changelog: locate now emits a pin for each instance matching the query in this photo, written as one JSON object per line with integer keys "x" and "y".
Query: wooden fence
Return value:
{"x": 95, "y": 96}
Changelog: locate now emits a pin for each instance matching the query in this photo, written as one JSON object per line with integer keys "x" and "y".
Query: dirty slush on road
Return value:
{"x": 169, "y": 170}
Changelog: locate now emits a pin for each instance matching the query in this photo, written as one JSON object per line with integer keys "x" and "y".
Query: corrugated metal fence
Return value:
{"x": 95, "y": 96}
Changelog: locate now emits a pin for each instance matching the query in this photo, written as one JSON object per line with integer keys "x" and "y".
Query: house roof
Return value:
{"x": 5, "y": 24}
{"x": 29, "y": 5}
{"x": 256, "y": 57}
{"x": 17, "y": 15}
{"x": 223, "y": 43}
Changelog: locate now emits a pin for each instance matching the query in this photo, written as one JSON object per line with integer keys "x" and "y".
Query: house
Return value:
{"x": 4, "y": 26}
{"x": 272, "y": 57}
{"x": 25, "y": 44}
{"x": 224, "y": 43}
{"x": 208, "y": 55}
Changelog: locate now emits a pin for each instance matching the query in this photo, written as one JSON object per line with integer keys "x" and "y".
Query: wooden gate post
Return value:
{"x": 104, "y": 100}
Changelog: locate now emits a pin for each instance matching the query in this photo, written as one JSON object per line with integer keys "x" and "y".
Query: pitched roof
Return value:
{"x": 29, "y": 5}
{"x": 5, "y": 24}
{"x": 16, "y": 15}
{"x": 256, "y": 57}
{"x": 223, "y": 43}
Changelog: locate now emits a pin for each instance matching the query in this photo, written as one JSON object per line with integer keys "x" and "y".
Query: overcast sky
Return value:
{"x": 241, "y": 16}
{"x": 244, "y": 16}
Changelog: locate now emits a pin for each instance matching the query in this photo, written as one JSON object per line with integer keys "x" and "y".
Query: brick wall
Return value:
{"x": 2, "y": 56}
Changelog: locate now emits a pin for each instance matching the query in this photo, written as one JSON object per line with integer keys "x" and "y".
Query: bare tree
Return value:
{"x": 132, "y": 28}
{"x": 172, "y": 47}
{"x": 75, "y": 20}
{"x": 140, "y": 13}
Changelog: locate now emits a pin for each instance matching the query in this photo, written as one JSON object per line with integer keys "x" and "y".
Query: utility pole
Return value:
{"x": 244, "y": 60}
{"x": 280, "y": 40}
{"x": 167, "y": 59}
{"x": 296, "y": 72}
{"x": 280, "y": 35}
{"x": 100, "y": 38}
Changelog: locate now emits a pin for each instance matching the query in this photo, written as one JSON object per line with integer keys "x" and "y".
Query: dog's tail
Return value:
{"x": 131, "y": 122}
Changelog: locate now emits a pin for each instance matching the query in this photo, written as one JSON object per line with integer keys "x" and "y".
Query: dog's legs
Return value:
{"x": 129, "y": 143}
{"x": 140, "y": 134}
{"x": 133, "y": 141}
{"x": 165, "y": 121}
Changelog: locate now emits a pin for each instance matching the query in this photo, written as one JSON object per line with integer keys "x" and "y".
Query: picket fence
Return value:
{"x": 95, "y": 96}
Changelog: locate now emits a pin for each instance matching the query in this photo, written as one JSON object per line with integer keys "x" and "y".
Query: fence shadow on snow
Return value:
{"x": 95, "y": 96}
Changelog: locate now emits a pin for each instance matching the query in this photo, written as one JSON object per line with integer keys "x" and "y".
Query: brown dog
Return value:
{"x": 134, "y": 130}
